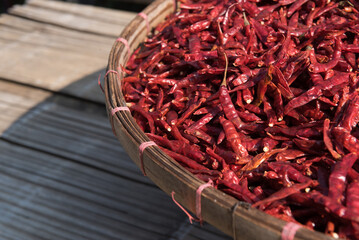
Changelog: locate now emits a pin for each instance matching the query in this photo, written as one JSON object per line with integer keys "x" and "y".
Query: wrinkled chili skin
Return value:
{"x": 261, "y": 97}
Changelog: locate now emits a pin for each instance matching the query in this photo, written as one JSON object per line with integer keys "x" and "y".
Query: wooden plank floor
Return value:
{"x": 63, "y": 175}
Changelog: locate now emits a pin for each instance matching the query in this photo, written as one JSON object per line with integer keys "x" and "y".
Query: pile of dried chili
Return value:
{"x": 262, "y": 97}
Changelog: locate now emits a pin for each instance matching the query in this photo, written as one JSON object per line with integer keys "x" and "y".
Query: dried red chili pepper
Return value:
{"x": 327, "y": 140}
{"x": 352, "y": 197}
{"x": 205, "y": 119}
{"x": 260, "y": 158}
{"x": 211, "y": 79}
{"x": 337, "y": 178}
{"x": 283, "y": 193}
{"x": 187, "y": 161}
{"x": 225, "y": 99}
{"x": 262, "y": 86}
{"x": 289, "y": 154}
{"x": 233, "y": 138}
{"x": 351, "y": 115}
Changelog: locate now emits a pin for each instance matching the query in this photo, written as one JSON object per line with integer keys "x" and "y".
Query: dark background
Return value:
{"x": 130, "y": 5}
{"x": 5, "y": 4}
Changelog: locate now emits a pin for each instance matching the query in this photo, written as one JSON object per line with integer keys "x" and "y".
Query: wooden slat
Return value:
{"x": 68, "y": 63}
{"x": 195, "y": 231}
{"x": 69, "y": 20}
{"x": 41, "y": 191}
{"x": 207, "y": 233}
{"x": 70, "y": 129}
{"x": 57, "y": 69}
{"x": 66, "y": 60}
{"x": 66, "y": 199}
{"x": 102, "y": 14}
{"x": 27, "y": 25}
{"x": 122, "y": 2}
{"x": 93, "y": 49}
{"x": 15, "y": 101}
{"x": 63, "y": 126}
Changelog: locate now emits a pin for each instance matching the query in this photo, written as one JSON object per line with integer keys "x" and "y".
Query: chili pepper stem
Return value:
{"x": 224, "y": 81}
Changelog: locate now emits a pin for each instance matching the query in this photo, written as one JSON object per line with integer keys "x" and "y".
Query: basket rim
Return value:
{"x": 131, "y": 136}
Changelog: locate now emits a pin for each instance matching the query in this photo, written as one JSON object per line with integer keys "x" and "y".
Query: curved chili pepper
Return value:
{"x": 162, "y": 141}
{"x": 247, "y": 95}
{"x": 283, "y": 193}
{"x": 221, "y": 137}
{"x": 271, "y": 116}
{"x": 205, "y": 119}
{"x": 239, "y": 100}
{"x": 322, "y": 67}
{"x": 325, "y": 9}
{"x": 308, "y": 133}
{"x": 337, "y": 178}
{"x": 288, "y": 171}
{"x": 278, "y": 138}
{"x": 352, "y": 197}
{"x": 254, "y": 109}
{"x": 252, "y": 145}
{"x": 295, "y": 6}
{"x": 200, "y": 134}
{"x": 315, "y": 92}
{"x": 229, "y": 156}
{"x": 251, "y": 82}
{"x": 248, "y": 117}
{"x": 351, "y": 115}
{"x": 262, "y": 86}
{"x": 289, "y": 154}
{"x": 266, "y": 11}
{"x": 199, "y": 26}
{"x": 146, "y": 115}
{"x": 327, "y": 140}
{"x": 282, "y": 84}
{"x": 287, "y": 64}
{"x": 241, "y": 189}
{"x": 310, "y": 17}
{"x": 212, "y": 153}
{"x": 351, "y": 59}
{"x": 268, "y": 144}
{"x": 185, "y": 160}
{"x": 310, "y": 146}
{"x": 346, "y": 140}
{"x": 353, "y": 48}
{"x": 329, "y": 204}
{"x": 172, "y": 117}
{"x": 189, "y": 111}
{"x": 233, "y": 137}
{"x": 342, "y": 102}
{"x": 260, "y": 158}
{"x": 286, "y": 2}
{"x": 225, "y": 99}
{"x": 227, "y": 16}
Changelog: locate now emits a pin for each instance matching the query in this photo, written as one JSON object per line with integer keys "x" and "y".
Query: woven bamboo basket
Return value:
{"x": 234, "y": 218}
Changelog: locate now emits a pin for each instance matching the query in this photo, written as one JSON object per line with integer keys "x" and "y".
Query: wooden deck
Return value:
{"x": 63, "y": 175}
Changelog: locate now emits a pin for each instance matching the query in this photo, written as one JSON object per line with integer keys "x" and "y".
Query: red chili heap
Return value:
{"x": 262, "y": 97}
